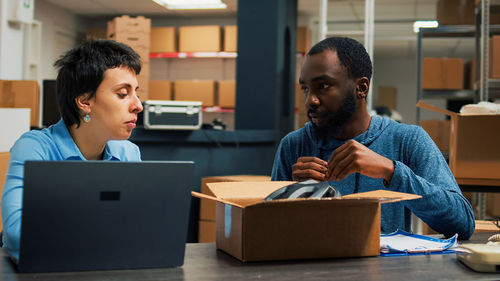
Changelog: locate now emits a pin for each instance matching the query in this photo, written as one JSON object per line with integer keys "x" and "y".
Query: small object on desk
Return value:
{"x": 404, "y": 243}
{"x": 480, "y": 257}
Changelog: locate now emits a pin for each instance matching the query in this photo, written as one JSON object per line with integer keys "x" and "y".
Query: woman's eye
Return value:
{"x": 122, "y": 95}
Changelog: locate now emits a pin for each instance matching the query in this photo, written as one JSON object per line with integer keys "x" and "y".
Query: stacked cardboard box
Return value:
{"x": 21, "y": 94}
{"x": 195, "y": 90}
{"x": 135, "y": 32}
{"x": 227, "y": 94}
{"x": 303, "y": 39}
{"x": 206, "y": 38}
{"x": 160, "y": 90}
{"x": 387, "y": 96}
{"x": 443, "y": 73}
{"x": 207, "y": 207}
{"x": 163, "y": 40}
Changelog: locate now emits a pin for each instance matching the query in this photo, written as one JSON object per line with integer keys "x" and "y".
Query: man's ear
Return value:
{"x": 83, "y": 103}
{"x": 362, "y": 87}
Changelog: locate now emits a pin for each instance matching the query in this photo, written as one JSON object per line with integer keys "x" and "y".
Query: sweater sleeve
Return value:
{"x": 282, "y": 169}
{"x": 425, "y": 172}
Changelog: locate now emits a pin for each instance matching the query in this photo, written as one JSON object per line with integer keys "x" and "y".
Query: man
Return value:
{"x": 358, "y": 152}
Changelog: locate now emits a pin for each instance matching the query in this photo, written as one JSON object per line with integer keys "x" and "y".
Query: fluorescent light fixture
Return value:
{"x": 424, "y": 24}
{"x": 191, "y": 4}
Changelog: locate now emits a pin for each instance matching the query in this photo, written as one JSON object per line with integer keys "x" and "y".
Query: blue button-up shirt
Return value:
{"x": 53, "y": 143}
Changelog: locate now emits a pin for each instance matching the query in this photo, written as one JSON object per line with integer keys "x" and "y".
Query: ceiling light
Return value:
{"x": 424, "y": 24}
{"x": 191, "y": 4}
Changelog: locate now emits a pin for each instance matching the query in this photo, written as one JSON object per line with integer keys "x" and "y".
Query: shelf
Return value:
{"x": 448, "y": 94}
{"x": 454, "y": 31}
{"x": 183, "y": 55}
{"x": 218, "y": 109}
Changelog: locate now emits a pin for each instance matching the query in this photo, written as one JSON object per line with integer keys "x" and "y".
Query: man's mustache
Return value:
{"x": 318, "y": 113}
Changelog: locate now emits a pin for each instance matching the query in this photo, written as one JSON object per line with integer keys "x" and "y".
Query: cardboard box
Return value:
{"x": 251, "y": 229}
{"x": 473, "y": 147}
{"x": 227, "y": 94}
{"x": 16, "y": 122}
{"x": 160, "y": 90}
{"x": 207, "y": 207}
{"x": 22, "y": 94}
{"x": 439, "y": 131}
{"x": 96, "y": 33}
{"x": 485, "y": 226}
{"x": 195, "y": 90}
{"x": 303, "y": 39}
{"x": 230, "y": 38}
{"x": 387, "y": 96}
{"x": 126, "y": 24}
{"x": 443, "y": 73}
{"x": 200, "y": 38}
{"x": 206, "y": 231}
{"x": 455, "y": 12}
{"x": 494, "y": 60}
{"x": 4, "y": 165}
{"x": 163, "y": 40}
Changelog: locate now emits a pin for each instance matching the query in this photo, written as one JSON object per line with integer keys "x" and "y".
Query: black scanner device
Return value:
{"x": 304, "y": 189}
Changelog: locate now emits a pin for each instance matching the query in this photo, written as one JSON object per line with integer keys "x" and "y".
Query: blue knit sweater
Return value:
{"x": 420, "y": 169}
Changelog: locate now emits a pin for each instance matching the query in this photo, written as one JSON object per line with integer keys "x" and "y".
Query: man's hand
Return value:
{"x": 353, "y": 157}
{"x": 309, "y": 168}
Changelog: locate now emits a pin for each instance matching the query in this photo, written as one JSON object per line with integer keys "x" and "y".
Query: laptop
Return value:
{"x": 102, "y": 215}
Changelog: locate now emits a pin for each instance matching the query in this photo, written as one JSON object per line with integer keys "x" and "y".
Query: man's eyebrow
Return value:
{"x": 321, "y": 77}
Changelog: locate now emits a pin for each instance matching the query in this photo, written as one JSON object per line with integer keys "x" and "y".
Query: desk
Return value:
{"x": 203, "y": 262}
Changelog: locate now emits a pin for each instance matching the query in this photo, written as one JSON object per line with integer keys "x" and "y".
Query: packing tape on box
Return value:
{"x": 227, "y": 220}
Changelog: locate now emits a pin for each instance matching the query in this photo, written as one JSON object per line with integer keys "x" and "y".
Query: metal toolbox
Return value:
{"x": 172, "y": 115}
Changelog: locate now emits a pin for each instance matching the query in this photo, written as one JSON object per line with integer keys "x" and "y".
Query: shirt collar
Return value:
{"x": 70, "y": 151}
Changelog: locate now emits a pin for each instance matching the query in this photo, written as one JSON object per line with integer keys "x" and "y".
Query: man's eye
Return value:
{"x": 324, "y": 86}
{"x": 304, "y": 89}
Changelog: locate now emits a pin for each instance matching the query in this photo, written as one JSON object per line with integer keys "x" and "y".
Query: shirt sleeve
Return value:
{"x": 26, "y": 148}
{"x": 282, "y": 167}
{"x": 425, "y": 172}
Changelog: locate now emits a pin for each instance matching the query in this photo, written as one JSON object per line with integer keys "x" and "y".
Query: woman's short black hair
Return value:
{"x": 351, "y": 54}
{"x": 81, "y": 71}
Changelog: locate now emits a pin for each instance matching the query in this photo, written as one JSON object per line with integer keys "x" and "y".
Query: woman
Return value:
{"x": 97, "y": 96}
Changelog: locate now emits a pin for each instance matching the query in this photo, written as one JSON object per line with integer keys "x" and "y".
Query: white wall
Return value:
{"x": 60, "y": 32}
{"x": 11, "y": 44}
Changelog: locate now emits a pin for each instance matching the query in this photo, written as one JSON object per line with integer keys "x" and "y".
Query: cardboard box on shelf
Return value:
{"x": 251, "y": 229}
{"x": 205, "y": 38}
{"x": 453, "y": 12}
{"x": 163, "y": 40}
{"x": 195, "y": 90}
{"x": 387, "y": 96}
{"x": 126, "y": 24}
{"x": 96, "y": 33}
{"x": 443, "y": 73}
{"x": 494, "y": 61}
{"x": 439, "y": 131}
{"x": 160, "y": 90}
{"x": 4, "y": 165}
{"x": 303, "y": 39}
{"x": 16, "y": 122}
{"x": 22, "y": 94}
{"x": 227, "y": 94}
{"x": 206, "y": 231}
{"x": 136, "y": 41}
{"x": 207, "y": 207}
{"x": 473, "y": 147}
{"x": 230, "y": 38}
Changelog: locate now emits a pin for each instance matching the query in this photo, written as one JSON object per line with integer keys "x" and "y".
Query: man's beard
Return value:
{"x": 336, "y": 120}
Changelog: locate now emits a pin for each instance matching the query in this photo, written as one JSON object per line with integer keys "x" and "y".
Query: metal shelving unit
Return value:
{"x": 485, "y": 87}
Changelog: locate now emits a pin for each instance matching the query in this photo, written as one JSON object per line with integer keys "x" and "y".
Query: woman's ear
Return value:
{"x": 83, "y": 103}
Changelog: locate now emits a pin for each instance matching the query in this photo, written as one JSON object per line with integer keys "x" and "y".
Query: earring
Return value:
{"x": 86, "y": 118}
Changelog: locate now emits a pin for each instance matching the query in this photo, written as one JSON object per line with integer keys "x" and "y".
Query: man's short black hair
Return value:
{"x": 351, "y": 54}
{"x": 81, "y": 71}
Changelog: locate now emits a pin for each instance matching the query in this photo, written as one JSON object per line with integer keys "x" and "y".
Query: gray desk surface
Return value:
{"x": 204, "y": 262}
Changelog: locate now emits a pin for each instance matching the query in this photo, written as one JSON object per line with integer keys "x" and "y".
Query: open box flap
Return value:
{"x": 241, "y": 190}
{"x": 209, "y": 197}
{"x": 422, "y": 104}
{"x": 384, "y": 196}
